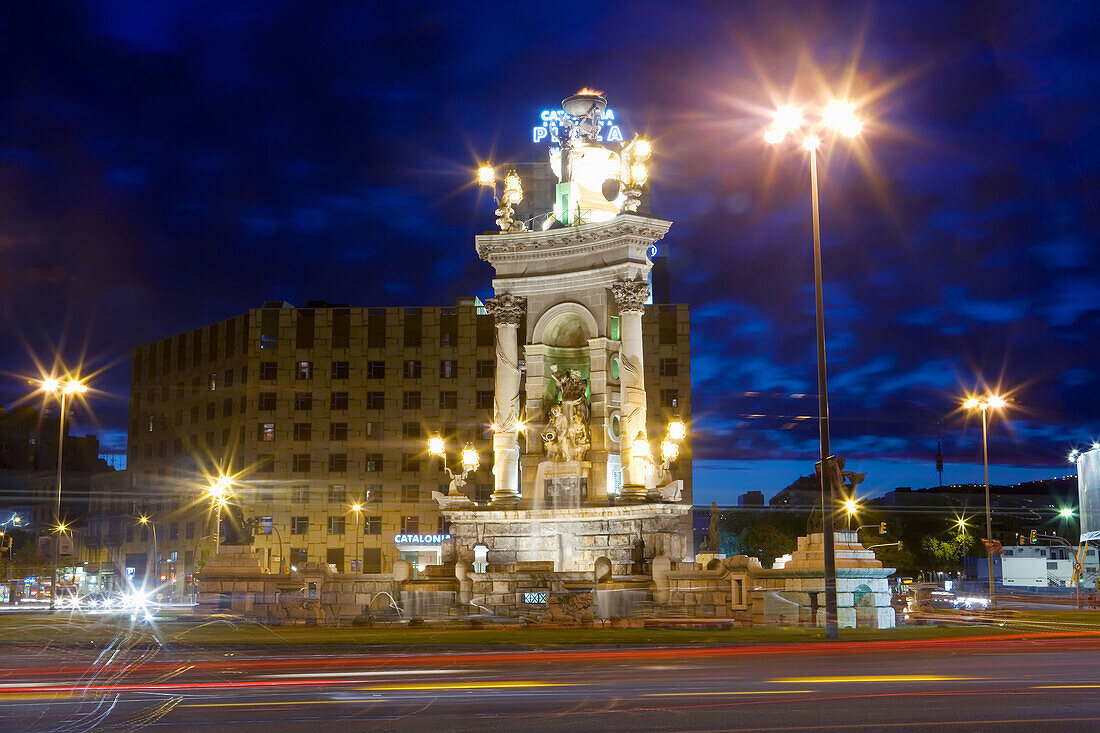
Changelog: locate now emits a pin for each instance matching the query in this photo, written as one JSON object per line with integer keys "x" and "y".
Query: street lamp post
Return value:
{"x": 144, "y": 521}
{"x": 469, "y": 461}
{"x": 995, "y": 402}
{"x": 61, "y": 390}
{"x": 218, "y": 491}
{"x": 839, "y": 117}
{"x": 357, "y": 508}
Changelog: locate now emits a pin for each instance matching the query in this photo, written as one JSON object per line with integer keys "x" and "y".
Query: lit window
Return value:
{"x": 304, "y": 370}
{"x": 267, "y": 431}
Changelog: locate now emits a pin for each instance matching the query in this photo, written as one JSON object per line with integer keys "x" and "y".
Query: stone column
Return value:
{"x": 507, "y": 310}
{"x": 631, "y": 295}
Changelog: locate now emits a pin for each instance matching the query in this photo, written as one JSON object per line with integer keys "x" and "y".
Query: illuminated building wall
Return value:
{"x": 379, "y": 381}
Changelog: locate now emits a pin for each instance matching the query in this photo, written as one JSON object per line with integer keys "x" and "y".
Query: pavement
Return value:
{"x": 1031, "y": 682}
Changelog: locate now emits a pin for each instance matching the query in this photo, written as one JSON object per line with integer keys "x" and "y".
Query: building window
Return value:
{"x": 372, "y": 559}
{"x": 448, "y": 369}
{"x": 227, "y": 407}
{"x": 669, "y": 368}
{"x": 372, "y": 493}
{"x": 670, "y": 398}
{"x": 338, "y": 431}
{"x": 340, "y": 370}
{"x": 372, "y": 525}
{"x": 150, "y": 423}
{"x": 194, "y": 413}
{"x": 374, "y": 462}
{"x": 337, "y": 462}
{"x": 304, "y": 329}
{"x": 189, "y": 533}
{"x": 299, "y": 525}
{"x": 302, "y": 431}
{"x": 413, "y": 320}
{"x": 410, "y": 493}
{"x": 373, "y": 430}
{"x": 334, "y": 556}
{"x": 411, "y": 431}
{"x": 613, "y": 332}
{"x": 376, "y": 400}
{"x": 410, "y": 462}
{"x": 337, "y": 494}
{"x": 209, "y": 441}
{"x": 266, "y": 464}
{"x": 412, "y": 369}
{"x": 303, "y": 401}
{"x": 448, "y": 400}
{"x": 484, "y": 399}
{"x": 174, "y": 531}
{"x": 485, "y": 368}
{"x": 410, "y": 525}
{"x": 341, "y": 328}
{"x": 299, "y": 555}
{"x": 376, "y": 370}
{"x": 486, "y": 330}
{"x": 301, "y": 495}
{"x": 228, "y": 378}
{"x": 269, "y": 328}
{"x": 411, "y": 401}
{"x": 211, "y": 411}
{"x": 244, "y": 403}
{"x": 666, "y": 331}
{"x": 339, "y": 401}
{"x": 212, "y": 380}
{"x": 244, "y": 375}
{"x": 304, "y": 370}
{"x": 269, "y": 370}
{"x": 376, "y": 328}
{"x": 267, "y": 431}
{"x": 336, "y": 525}
{"x": 300, "y": 463}
{"x": 448, "y": 328}
{"x": 267, "y": 400}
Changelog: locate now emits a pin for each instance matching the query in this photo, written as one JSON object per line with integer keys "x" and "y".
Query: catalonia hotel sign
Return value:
{"x": 420, "y": 539}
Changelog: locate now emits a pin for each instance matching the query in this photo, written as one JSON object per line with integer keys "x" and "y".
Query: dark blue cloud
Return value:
{"x": 168, "y": 164}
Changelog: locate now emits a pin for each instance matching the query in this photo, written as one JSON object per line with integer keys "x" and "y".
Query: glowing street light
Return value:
{"x": 218, "y": 493}
{"x": 851, "y": 506}
{"x": 790, "y": 121}
{"x": 62, "y": 390}
{"x": 986, "y": 403}
{"x": 511, "y": 196}
{"x": 1066, "y": 512}
{"x": 143, "y": 520}
{"x": 468, "y": 460}
{"x": 486, "y": 176}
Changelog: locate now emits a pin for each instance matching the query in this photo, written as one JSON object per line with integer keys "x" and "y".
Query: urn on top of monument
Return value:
{"x": 597, "y": 180}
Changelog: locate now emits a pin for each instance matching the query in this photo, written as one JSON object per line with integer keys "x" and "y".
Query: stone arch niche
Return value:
{"x": 560, "y": 343}
{"x": 565, "y": 325}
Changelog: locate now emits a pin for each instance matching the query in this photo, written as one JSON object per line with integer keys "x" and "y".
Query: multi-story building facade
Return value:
{"x": 320, "y": 409}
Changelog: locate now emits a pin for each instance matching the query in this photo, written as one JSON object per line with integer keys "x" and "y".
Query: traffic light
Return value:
{"x": 1020, "y": 539}
{"x": 882, "y": 527}
{"x": 1034, "y": 536}
{"x": 900, "y": 546}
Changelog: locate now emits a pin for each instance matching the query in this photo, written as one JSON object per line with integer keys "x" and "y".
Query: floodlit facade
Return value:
{"x": 320, "y": 409}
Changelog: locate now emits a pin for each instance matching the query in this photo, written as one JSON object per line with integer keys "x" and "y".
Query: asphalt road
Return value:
{"x": 965, "y": 685}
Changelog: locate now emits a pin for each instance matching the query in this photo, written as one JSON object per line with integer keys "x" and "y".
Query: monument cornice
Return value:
{"x": 572, "y": 241}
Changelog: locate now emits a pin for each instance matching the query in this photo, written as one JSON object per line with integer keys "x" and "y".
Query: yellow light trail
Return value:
{"x": 882, "y": 678}
{"x": 465, "y": 686}
{"x": 732, "y": 692}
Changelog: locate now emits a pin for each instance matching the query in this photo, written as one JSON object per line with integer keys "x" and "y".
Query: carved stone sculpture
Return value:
{"x": 566, "y": 436}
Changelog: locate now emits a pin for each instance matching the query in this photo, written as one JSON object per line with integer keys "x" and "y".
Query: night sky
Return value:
{"x": 166, "y": 165}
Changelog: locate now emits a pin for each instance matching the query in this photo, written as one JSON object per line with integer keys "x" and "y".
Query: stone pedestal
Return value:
{"x": 561, "y": 485}
{"x": 572, "y": 539}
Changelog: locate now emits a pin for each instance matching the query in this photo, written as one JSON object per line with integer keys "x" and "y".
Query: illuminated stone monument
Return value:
{"x": 578, "y": 283}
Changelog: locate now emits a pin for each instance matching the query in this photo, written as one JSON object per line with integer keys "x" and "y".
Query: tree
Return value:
{"x": 949, "y": 552}
{"x": 767, "y": 542}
